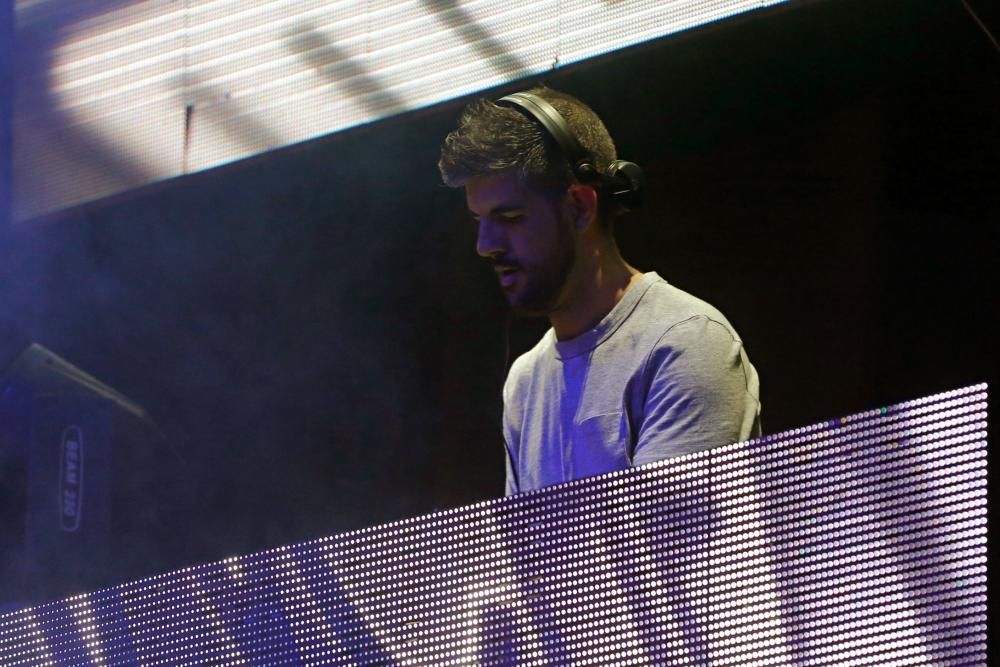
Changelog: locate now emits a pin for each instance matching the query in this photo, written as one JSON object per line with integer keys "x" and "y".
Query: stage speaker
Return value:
{"x": 91, "y": 493}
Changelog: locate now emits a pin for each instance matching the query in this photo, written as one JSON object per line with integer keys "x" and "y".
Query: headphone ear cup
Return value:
{"x": 626, "y": 184}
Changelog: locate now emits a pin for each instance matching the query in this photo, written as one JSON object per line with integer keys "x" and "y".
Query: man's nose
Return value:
{"x": 489, "y": 242}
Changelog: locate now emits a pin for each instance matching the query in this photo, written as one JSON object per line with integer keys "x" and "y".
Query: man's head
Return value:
{"x": 496, "y": 138}
{"x": 535, "y": 218}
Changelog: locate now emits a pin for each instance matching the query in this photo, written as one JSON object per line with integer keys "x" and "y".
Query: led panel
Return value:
{"x": 859, "y": 541}
{"x": 113, "y": 94}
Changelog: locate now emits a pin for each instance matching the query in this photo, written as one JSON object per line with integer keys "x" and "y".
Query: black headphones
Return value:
{"x": 623, "y": 182}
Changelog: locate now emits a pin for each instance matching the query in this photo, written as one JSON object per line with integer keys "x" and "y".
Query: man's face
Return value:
{"x": 527, "y": 237}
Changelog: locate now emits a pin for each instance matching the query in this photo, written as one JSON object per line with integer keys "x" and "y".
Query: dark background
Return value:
{"x": 313, "y": 330}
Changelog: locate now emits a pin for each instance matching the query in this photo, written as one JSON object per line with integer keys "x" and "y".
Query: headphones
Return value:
{"x": 623, "y": 182}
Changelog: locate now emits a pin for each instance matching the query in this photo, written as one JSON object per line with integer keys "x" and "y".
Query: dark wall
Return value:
{"x": 313, "y": 331}
{"x": 830, "y": 182}
{"x": 6, "y": 81}
{"x": 281, "y": 321}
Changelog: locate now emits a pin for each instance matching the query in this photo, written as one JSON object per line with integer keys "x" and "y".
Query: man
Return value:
{"x": 633, "y": 369}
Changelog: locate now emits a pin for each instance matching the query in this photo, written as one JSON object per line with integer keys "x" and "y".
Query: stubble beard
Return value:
{"x": 544, "y": 286}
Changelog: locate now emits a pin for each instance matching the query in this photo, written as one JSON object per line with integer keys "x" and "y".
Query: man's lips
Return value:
{"x": 507, "y": 273}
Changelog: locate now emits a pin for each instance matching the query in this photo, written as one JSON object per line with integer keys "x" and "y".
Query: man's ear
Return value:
{"x": 581, "y": 201}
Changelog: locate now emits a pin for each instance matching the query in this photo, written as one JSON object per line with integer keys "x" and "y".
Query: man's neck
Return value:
{"x": 600, "y": 287}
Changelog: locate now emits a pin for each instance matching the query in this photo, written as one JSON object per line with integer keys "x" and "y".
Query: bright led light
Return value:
{"x": 172, "y": 88}
{"x": 832, "y": 544}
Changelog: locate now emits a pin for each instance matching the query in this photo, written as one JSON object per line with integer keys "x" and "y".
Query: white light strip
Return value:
{"x": 251, "y": 76}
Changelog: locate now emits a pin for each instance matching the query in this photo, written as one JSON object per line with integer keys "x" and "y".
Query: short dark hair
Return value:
{"x": 494, "y": 139}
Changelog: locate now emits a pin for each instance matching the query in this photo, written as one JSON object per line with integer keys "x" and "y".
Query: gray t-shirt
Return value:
{"x": 663, "y": 374}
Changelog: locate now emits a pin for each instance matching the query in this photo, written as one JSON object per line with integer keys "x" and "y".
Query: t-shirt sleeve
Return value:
{"x": 511, "y": 436}
{"x": 511, "y": 486}
{"x": 698, "y": 391}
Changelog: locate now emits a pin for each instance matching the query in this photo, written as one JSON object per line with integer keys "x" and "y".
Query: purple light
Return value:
{"x": 858, "y": 540}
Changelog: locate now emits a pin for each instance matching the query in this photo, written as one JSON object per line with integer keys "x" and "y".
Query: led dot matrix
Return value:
{"x": 859, "y": 540}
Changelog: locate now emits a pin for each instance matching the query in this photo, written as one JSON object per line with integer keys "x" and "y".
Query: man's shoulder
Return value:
{"x": 528, "y": 363}
{"x": 665, "y": 307}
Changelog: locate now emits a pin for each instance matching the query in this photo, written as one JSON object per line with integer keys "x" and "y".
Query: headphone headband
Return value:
{"x": 623, "y": 182}
{"x": 546, "y": 114}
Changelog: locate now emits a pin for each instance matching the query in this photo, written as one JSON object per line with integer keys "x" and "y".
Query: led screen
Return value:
{"x": 860, "y": 540}
{"x": 114, "y": 94}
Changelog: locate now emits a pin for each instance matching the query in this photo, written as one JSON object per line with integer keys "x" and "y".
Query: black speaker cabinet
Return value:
{"x": 90, "y": 491}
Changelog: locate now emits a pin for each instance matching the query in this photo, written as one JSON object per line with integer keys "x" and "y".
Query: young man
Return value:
{"x": 633, "y": 369}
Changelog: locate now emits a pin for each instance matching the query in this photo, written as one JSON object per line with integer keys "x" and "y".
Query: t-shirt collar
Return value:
{"x": 588, "y": 340}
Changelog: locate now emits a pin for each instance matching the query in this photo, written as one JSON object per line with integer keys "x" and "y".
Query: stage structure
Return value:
{"x": 860, "y": 540}
{"x": 114, "y": 95}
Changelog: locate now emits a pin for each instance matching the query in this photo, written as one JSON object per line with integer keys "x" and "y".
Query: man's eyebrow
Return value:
{"x": 500, "y": 209}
